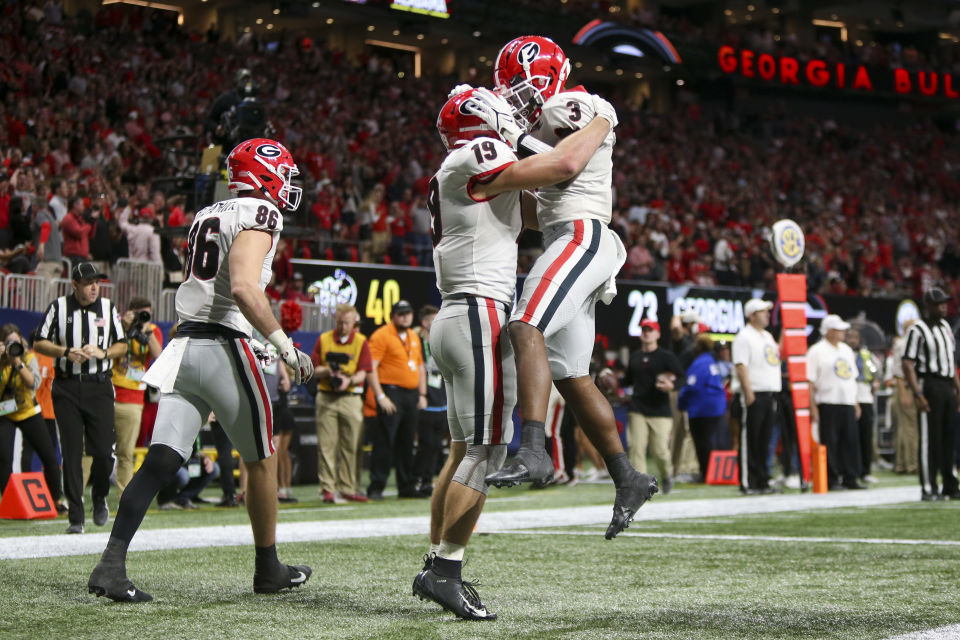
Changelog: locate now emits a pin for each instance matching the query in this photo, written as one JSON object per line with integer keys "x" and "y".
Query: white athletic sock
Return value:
{"x": 434, "y": 548}
{"x": 451, "y": 551}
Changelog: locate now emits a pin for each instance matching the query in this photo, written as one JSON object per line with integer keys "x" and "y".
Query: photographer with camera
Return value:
{"x": 19, "y": 409}
{"x": 342, "y": 359}
{"x": 144, "y": 344}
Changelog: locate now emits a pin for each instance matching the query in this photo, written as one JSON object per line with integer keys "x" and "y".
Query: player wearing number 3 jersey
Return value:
{"x": 475, "y": 204}
{"x": 213, "y": 365}
{"x": 553, "y": 327}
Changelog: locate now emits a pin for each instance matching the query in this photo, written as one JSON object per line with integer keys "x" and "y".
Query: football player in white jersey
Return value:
{"x": 553, "y": 325}
{"x": 211, "y": 365}
{"x": 475, "y": 205}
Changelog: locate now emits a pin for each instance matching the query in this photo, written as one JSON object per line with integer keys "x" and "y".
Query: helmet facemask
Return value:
{"x": 288, "y": 195}
{"x": 526, "y": 98}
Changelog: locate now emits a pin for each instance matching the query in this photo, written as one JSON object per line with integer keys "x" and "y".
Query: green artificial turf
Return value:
{"x": 567, "y": 582}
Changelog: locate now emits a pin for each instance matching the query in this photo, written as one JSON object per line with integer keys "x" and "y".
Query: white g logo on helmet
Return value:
{"x": 269, "y": 151}
{"x": 527, "y": 54}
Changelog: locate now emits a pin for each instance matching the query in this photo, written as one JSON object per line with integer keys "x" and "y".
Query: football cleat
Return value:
{"x": 286, "y": 577}
{"x": 453, "y": 594}
{"x": 630, "y": 497}
{"x": 527, "y": 466}
{"x": 112, "y": 582}
{"x": 427, "y": 563}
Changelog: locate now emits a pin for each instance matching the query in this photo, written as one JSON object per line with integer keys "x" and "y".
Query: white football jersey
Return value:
{"x": 475, "y": 241}
{"x": 590, "y": 195}
{"x": 205, "y": 294}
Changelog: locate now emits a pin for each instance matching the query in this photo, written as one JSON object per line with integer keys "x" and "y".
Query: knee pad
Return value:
{"x": 476, "y": 465}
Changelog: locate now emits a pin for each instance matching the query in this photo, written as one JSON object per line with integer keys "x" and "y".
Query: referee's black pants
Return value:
{"x": 84, "y": 408}
{"x": 756, "y": 428}
{"x": 936, "y": 436}
{"x": 34, "y": 430}
{"x": 838, "y": 433}
{"x": 393, "y": 442}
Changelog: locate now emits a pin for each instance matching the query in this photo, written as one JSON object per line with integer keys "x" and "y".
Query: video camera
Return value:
{"x": 335, "y": 360}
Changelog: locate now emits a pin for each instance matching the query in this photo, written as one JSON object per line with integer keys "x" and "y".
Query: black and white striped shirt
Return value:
{"x": 68, "y": 324}
{"x": 931, "y": 348}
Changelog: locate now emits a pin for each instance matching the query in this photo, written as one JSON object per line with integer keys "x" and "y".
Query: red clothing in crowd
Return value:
{"x": 76, "y": 235}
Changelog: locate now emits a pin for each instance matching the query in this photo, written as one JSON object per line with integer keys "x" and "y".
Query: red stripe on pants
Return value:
{"x": 497, "y": 419}
{"x": 264, "y": 398}
{"x": 552, "y": 270}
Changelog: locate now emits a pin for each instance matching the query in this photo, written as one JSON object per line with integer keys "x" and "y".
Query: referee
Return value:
{"x": 83, "y": 333}
{"x": 928, "y": 365}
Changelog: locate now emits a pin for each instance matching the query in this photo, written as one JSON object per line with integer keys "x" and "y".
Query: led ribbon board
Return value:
{"x": 435, "y": 8}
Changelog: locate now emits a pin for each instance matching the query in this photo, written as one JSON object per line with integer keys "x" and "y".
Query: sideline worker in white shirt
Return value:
{"x": 832, "y": 372}
{"x": 756, "y": 360}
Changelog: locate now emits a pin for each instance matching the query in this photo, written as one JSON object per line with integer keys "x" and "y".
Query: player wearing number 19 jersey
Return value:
{"x": 211, "y": 365}
{"x": 475, "y": 206}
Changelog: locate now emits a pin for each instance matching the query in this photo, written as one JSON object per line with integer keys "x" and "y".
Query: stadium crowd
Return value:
{"x": 696, "y": 191}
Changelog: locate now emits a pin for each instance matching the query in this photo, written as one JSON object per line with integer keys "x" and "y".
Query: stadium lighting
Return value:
{"x": 728, "y": 12}
{"x": 442, "y": 41}
{"x": 578, "y": 65}
{"x": 270, "y": 26}
{"x": 775, "y": 10}
{"x": 598, "y": 68}
{"x": 482, "y": 58}
{"x": 477, "y": 34}
{"x": 276, "y": 12}
{"x": 835, "y": 24}
{"x": 628, "y": 50}
{"x": 619, "y": 72}
{"x": 680, "y": 82}
{"x": 750, "y": 7}
{"x": 259, "y": 20}
{"x": 315, "y": 5}
{"x": 420, "y": 36}
{"x": 329, "y": 20}
{"x": 638, "y": 75}
{"x": 396, "y": 32}
{"x": 370, "y": 27}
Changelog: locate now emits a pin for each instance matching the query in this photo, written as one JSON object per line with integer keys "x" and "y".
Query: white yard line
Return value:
{"x": 737, "y": 538}
{"x": 194, "y": 537}
{"x": 951, "y": 632}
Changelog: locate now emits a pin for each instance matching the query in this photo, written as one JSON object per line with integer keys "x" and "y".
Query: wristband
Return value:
{"x": 18, "y": 367}
{"x": 381, "y": 396}
{"x": 527, "y": 145}
{"x": 280, "y": 340}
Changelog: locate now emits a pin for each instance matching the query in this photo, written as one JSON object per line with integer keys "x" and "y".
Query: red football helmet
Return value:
{"x": 458, "y": 125}
{"x": 267, "y": 166}
{"x": 528, "y": 72}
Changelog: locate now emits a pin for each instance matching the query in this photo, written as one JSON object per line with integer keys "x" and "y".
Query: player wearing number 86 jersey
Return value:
{"x": 212, "y": 364}
{"x": 205, "y": 293}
